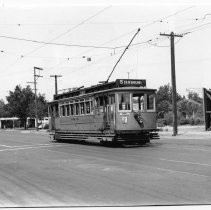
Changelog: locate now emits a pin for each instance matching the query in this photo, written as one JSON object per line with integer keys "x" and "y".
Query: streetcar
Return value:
{"x": 122, "y": 111}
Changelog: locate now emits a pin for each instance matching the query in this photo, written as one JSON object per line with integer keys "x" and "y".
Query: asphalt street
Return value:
{"x": 36, "y": 172}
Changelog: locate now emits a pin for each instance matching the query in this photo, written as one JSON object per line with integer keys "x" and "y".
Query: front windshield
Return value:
{"x": 138, "y": 102}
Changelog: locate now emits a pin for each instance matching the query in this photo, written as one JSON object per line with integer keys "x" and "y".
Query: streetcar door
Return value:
{"x": 110, "y": 111}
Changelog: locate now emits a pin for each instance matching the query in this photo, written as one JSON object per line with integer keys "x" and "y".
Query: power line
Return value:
{"x": 162, "y": 19}
{"x": 191, "y": 30}
{"x": 71, "y": 29}
{"x": 62, "y": 34}
{"x": 101, "y": 46}
{"x": 53, "y": 43}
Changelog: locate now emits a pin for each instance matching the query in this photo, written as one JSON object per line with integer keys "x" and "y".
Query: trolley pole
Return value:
{"x": 56, "y": 88}
{"x": 173, "y": 81}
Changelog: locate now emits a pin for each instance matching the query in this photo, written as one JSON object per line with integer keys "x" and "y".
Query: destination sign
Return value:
{"x": 131, "y": 82}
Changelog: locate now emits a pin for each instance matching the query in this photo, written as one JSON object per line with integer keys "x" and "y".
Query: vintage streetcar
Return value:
{"x": 114, "y": 112}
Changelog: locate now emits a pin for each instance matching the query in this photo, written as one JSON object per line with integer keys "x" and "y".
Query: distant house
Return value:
{"x": 14, "y": 122}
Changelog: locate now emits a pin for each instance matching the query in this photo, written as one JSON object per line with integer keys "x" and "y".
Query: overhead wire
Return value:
{"x": 101, "y": 46}
{"x": 54, "y": 43}
{"x": 158, "y": 20}
{"x": 62, "y": 34}
{"x": 72, "y": 28}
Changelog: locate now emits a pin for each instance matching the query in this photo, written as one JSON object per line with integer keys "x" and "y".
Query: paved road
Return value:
{"x": 37, "y": 172}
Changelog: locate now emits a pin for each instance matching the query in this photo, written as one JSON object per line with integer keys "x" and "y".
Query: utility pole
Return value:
{"x": 36, "y": 76}
{"x": 173, "y": 81}
{"x": 56, "y": 88}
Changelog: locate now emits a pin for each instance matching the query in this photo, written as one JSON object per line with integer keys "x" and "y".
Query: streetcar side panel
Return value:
{"x": 91, "y": 123}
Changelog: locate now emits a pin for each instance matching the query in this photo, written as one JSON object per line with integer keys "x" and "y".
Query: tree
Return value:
{"x": 189, "y": 107}
{"x": 19, "y": 102}
{"x": 42, "y": 107}
{"x": 195, "y": 97}
{"x": 164, "y": 100}
{"x": 2, "y": 108}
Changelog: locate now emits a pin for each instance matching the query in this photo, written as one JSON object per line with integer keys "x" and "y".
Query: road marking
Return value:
{"x": 178, "y": 161}
{"x": 1, "y": 145}
{"x": 27, "y": 145}
{"x": 30, "y": 145}
{"x": 187, "y": 148}
{"x": 183, "y": 172}
{"x": 33, "y": 147}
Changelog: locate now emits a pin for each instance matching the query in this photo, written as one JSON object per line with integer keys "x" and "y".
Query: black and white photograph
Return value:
{"x": 105, "y": 103}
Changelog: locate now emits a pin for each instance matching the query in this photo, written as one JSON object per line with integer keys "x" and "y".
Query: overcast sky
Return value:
{"x": 76, "y": 30}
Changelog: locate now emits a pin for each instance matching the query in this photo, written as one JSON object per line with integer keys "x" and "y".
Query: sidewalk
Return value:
{"x": 185, "y": 131}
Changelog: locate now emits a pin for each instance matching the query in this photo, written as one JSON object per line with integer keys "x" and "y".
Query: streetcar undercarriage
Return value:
{"x": 117, "y": 137}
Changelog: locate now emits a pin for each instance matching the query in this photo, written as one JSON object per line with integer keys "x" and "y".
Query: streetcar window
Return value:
{"x": 56, "y": 111}
{"x": 62, "y": 110}
{"x": 77, "y": 109}
{"x": 112, "y": 99}
{"x": 99, "y": 103}
{"x": 71, "y": 109}
{"x": 88, "y": 107}
{"x": 67, "y": 110}
{"x": 124, "y": 101}
{"x": 82, "y": 107}
{"x": 91, "y": 107}
{"x": 150, "y": 102}
{"x": 101, "y": 100}
{"x": 138, "y": 102}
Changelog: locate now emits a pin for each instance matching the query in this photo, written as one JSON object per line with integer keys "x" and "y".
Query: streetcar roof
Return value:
{"x": 118, "y": 89}
{"x": 101, "y": 87}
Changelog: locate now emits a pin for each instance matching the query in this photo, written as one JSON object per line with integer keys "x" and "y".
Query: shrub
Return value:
{"x": 199, "y": 121}
{"x": 46, "y": 126}
{"x": 183, "y": 121}
{"x": 161, "y": 122}
{"x": 196, "y": 120}
{"x": 168, "y": 118}
{"x": 191, "y": 121}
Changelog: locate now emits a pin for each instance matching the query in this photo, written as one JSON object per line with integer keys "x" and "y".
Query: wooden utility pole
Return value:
{"x": 173, "y": 81}
{"x": 36, "y": 76}
{"x": 56, "y": 88}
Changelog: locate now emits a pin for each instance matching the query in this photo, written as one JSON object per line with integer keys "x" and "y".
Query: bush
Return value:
{"x": 199, "y": 120}
{"x": 183, "y": 121}
{"x": 46, "y": 126}
{"x": 169, "y": 118}
{"x": 196, "y": 121}
{"x": 191, "y": 121}
{"x": 161, "y": 122}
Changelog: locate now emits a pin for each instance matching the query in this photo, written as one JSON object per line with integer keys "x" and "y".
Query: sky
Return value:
{"x": 59, "y": 37}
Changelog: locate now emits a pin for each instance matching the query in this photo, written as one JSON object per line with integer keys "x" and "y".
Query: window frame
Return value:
{"x": 154, "y": 103}
{"x": 144, "y": 104}
{"x": 130, "y": 94}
